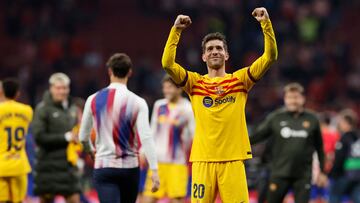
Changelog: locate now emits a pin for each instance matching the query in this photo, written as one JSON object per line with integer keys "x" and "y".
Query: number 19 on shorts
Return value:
{"x": 198, "y": 191}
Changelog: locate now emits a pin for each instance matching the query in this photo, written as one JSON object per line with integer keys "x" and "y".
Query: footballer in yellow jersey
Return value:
{"x": 218, "y": 99}
{"x": 15, "y": 118}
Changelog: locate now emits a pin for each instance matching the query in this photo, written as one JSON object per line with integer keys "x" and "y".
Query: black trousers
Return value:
{"x": 115, "y": 185}
{"x": 278, "y": 188}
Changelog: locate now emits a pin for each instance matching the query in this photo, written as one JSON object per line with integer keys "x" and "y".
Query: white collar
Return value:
{"x": 117, "y": 85}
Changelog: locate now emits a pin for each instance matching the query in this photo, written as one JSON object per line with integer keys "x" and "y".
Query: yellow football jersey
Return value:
{"x": 15, "y": 118}
{"x": 219, "y": 103}
{"x": 219, "y": 109}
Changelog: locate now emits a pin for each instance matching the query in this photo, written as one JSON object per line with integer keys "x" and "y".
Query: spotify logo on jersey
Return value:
{"x": 208, "y": 101}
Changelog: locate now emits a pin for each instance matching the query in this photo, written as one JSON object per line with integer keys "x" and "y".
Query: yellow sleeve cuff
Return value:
{"x": 266, "y": 24}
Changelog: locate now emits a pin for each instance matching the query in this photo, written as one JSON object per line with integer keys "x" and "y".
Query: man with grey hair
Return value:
{"x": 54, "y": 120}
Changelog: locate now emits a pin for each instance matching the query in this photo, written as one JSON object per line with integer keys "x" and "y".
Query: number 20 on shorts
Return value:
{"x": 198, "y": 191}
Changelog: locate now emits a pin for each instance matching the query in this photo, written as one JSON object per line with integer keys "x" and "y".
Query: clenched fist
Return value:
{"x": 260, "y": 14}
{"x": 182, "y": 22}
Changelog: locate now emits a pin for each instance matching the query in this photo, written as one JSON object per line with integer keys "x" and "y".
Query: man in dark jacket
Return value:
{"x": 346, "y": 169}
{"x": 295, "y": 134}
{"x": 53, "y": 122}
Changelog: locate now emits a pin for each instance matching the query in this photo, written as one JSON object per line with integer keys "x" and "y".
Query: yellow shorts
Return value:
{"x": 173, "y": 181}
{"x": 227, "y": 178}
{"x": 13, "y": 189}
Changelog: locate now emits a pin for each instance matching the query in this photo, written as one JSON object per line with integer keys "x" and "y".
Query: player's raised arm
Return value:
{"x": 260, "y": 66}
{"x": 177, "y": 72}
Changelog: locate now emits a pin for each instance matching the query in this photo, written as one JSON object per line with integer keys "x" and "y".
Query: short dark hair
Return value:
{"x": 294, "y": 87}
{"x": 214, "y": 36}
{"x": 120, "y": 64}
{"x": 167, "y": 78}
{"x": 10, "y": 87}
{"x": 350, "y": 117}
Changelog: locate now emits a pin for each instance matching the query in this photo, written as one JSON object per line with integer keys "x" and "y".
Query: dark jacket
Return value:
{"x": 347, "y": 156}
{"x": 53, "y": 173}
{"x": 295, "y": 138}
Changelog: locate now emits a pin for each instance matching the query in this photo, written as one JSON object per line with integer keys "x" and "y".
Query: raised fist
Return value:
{"x": 182, "y": 22}
{"x": 260, "y": 14}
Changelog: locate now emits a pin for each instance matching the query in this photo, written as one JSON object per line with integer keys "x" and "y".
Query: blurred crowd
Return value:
{"x": 316, "y": 40}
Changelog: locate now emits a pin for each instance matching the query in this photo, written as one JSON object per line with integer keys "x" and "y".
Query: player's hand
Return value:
{"x": 155, "y": 181}
{"x": 260, "y": 14}
{"x": 75, "y": 138}
{"x": 322, "y": 180}
{"x": 182, "y": 22}
{"x": 71, "y": 137}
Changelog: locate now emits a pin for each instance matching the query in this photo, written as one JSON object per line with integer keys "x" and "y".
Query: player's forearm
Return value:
{"x": 257, "y": 137}
{"x": 146, "y": 138}
{"x": 168, "y": 58}
{"x": 321, "y": 157}
{"x": 320, "y": 151}
{"x": 262, "y": 132}
{"x": 262, "y": 64}
{"x": 270, "y": 47}
{"x": 319, "y": 146}
{"x": 148, "y": 147}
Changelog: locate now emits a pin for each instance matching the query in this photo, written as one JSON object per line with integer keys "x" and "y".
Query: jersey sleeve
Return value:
{"x": 250, "y": 75}
{"x": 243, "y": 76}
{"x": 319, "y": 145}
{"x": 86, "y": 126}
{"x": 181, "y": 76}
{"x": 146, "y": 138}
{"x": 154, "y": 117}
{"x": 341, "y": 148}
{"x": 30, "y": 114}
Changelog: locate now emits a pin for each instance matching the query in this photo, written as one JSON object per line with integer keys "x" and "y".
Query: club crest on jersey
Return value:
{"x": 273, "y": 187}
{"x": 208, "y": 101}
{"x": 306, "y": 124}
{"x": 219, "y": 90}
